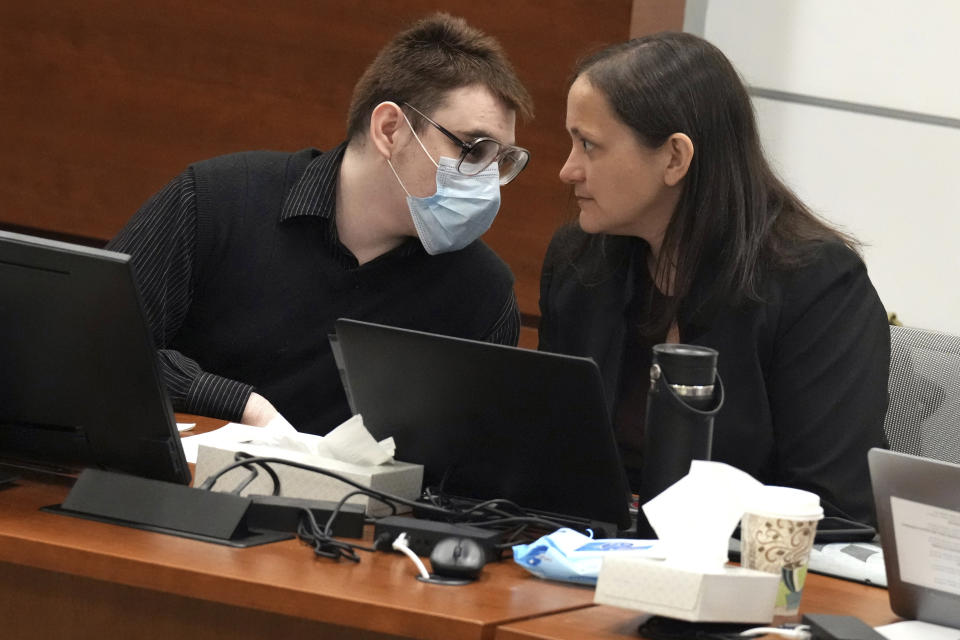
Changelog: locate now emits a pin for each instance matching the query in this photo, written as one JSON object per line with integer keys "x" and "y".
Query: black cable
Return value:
{"x": 496, "y": 501}
{"x": 270, "y": 472}
{"x": 323, "y": 544}
{"x": 241, "y": 456}
{"x": 495, "y": 513}
{"x": 534, "y": 520}
{"x": 251, "y": 476}
{"x": 446, "y": 475}
{"x": 485, "y": 515}
{"x": 428, "y": 495}
{"x": 336, "y": 510}
{"x": 485, "y": 508}
{"x": 516, "y": 514}
{"x": 494, "y": 517}
{"x": 379, "y": 495}
{"x": 512, "y": 538}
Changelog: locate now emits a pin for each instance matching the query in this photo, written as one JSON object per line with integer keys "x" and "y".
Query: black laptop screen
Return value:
{"x": 489, "y": 421}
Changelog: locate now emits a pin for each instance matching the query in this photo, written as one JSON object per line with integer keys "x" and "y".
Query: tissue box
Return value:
{"x": 400, "y": 479}
{"x": 732, "y": 594}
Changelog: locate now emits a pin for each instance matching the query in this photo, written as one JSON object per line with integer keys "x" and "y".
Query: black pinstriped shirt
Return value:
{"x": 170, "y": 263}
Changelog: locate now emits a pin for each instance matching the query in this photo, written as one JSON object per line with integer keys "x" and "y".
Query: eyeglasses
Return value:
{"x": 481, "y": 153}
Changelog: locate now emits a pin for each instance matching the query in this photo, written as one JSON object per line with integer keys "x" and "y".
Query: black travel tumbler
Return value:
{"x": 685, "y": 394}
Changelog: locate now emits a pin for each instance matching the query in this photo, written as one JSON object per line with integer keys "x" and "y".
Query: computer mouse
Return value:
{"x": 458, "y": 558}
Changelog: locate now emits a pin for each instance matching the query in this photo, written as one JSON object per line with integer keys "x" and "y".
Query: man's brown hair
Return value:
{"x": 420, "y": 65}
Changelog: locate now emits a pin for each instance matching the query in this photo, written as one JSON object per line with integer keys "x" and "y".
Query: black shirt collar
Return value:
{"x": 315, "y": 193}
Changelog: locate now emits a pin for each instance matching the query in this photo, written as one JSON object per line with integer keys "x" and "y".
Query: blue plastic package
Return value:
{"x": 570, "y": 556}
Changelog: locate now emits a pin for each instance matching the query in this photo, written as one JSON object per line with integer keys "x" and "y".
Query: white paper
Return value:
{"x": 185, "y": 426}
{"x": 928, "y": 544}
{"x": 225, "y": 437}
{"x": 915, "y": 630}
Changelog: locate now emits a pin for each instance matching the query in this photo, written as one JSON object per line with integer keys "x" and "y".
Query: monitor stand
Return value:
{"x": 6, "y": 478}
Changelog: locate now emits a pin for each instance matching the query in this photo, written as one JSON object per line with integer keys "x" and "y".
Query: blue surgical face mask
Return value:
{"x": 461, "y": 210}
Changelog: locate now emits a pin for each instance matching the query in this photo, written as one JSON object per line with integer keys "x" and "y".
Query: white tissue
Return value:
{"x": 281, "y": 434}
{"x": 694, "y": 517}
{"x": 349, "y": 442}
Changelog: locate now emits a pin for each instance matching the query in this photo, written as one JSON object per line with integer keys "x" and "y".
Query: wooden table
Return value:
{"x": 63, "y": 577}
{"x": 821, "y": 594}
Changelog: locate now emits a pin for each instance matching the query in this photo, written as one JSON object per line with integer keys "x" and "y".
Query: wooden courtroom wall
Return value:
{"x": 103, "y": 101}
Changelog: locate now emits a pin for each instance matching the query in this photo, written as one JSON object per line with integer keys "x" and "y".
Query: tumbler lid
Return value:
{"x": 686, "y": 364}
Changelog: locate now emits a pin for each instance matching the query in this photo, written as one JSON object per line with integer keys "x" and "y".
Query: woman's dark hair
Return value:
{"x": 734, "y": 217}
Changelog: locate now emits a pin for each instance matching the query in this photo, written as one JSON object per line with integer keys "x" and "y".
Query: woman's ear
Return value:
{"x": 679, "y": 148}
{"x": 386, "y": 122}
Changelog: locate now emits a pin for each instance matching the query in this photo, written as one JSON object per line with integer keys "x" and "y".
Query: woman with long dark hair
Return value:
{"x": 686, "y": 235}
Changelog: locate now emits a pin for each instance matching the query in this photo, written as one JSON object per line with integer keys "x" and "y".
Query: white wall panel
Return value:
{"x": 898, "y": 54}
{"x": 891, "y": 183}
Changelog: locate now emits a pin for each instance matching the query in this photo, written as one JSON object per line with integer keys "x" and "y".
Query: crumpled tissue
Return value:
{"x": 570, "y": 556}
{"x": 695, "y": 517}
{"x": 349, "y": 442}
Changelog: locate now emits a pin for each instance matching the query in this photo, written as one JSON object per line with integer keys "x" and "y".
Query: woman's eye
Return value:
{"x": 587, "y": 145}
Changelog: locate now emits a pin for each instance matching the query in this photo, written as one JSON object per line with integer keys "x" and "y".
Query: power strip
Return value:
{"x": 279, "y": 513}
{"x": 422, "y": 535}
{"x": 830, "y": 627}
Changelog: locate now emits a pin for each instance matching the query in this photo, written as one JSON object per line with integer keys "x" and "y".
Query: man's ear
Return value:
{"x": 386, "y": 122}
{"x": 679, "y": 150}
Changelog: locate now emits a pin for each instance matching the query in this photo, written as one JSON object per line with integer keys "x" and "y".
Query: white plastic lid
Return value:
{"x": 784, "y": 502}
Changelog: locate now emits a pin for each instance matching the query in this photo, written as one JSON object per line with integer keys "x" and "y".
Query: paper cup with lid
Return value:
{"x": 776, "y": 535}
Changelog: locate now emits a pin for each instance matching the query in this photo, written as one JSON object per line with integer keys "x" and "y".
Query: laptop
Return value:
{"x": 918, "y": 512}
{"x": 489, "y": 421}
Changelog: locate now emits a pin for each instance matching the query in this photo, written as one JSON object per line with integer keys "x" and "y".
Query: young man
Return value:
{"x": 245, "y": 261}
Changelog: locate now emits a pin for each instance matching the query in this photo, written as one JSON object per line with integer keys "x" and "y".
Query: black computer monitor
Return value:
{"x": 79, "y": 384}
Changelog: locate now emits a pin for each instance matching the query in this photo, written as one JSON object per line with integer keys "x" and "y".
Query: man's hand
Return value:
{"x": 258, "y": 411}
